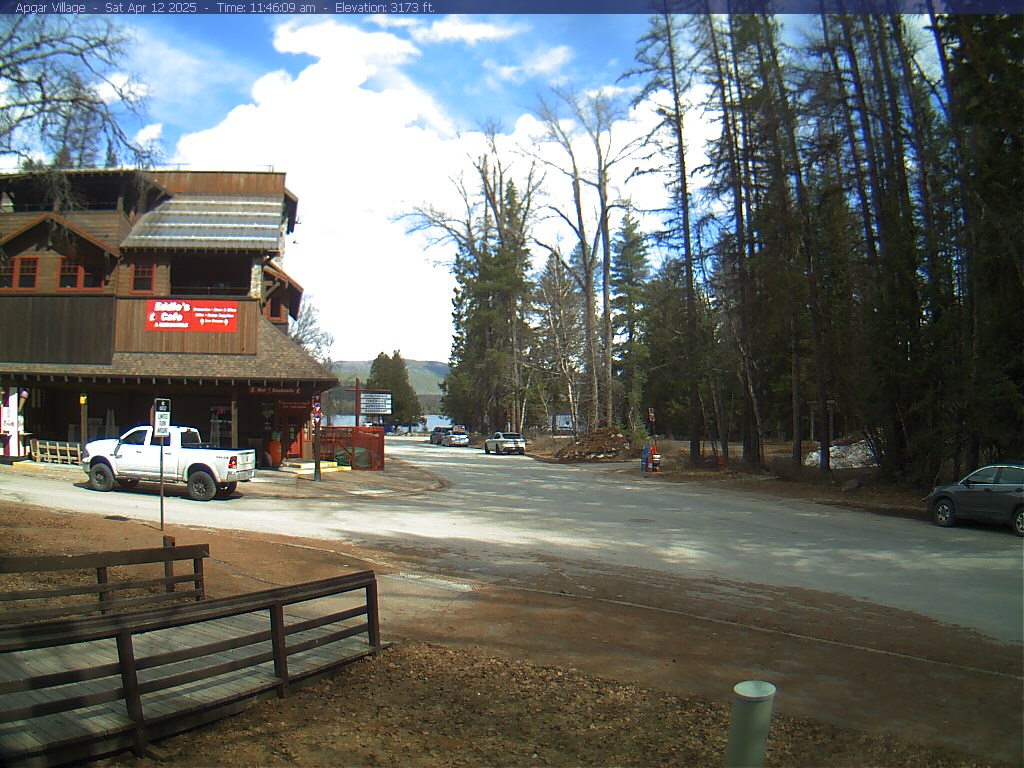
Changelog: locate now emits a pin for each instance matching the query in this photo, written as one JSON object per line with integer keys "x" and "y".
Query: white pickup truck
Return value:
{"x": 135, "y": 456}
{"x": 505, "y": 442}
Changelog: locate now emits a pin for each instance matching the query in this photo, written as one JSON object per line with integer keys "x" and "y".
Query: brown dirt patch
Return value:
{"x": 576, "y": 668}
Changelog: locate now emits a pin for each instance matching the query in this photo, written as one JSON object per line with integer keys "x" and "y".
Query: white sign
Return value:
{"x": 161, "y": 417}
{"x": 9, "y": 420}
{"x": 375, "y": 402}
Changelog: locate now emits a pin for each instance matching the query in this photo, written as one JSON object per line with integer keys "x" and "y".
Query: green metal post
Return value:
{"x": 748, "y": 728}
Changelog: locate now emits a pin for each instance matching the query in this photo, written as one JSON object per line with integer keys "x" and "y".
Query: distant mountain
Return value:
{"x": 425, "y": 376}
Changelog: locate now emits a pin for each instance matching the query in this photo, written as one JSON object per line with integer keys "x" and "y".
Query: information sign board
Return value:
{"x": 375, "y": 402}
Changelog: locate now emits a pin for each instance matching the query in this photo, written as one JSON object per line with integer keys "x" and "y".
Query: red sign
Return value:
{"x": 207, "y": 315}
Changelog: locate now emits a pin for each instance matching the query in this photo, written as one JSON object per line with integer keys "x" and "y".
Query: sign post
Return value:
{"x": 371, "y": 401}
{"x": 161, "y": 429}
{"x": 317, "y": 416}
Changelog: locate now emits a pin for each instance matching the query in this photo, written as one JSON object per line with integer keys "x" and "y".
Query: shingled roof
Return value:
{"x": 279, "y": 360}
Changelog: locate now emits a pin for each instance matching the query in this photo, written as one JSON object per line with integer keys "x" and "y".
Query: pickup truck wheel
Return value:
{"x": 101, "y": 478}
{"x": 201, "y": 486}
{"x": 225, "y": 490}
{"x": 133, "y": 483}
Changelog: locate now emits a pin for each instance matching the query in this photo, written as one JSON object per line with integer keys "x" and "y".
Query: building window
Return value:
{"x": 81, "y": 274}
{"x": 19, "y": 273}
{"x": 142, "y": 277}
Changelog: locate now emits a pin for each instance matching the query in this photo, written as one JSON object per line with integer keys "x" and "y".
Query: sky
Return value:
{"x": 372, "y": 117}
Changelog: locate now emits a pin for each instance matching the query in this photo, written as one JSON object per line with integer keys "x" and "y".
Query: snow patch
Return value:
{"x": 853, "y": 456}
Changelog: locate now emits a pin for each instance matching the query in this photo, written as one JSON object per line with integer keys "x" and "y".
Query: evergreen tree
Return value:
{"x": 983, "y": 58}
{"x": 489, "y": 381}
{"x": 391, "y": 374}
{"x": 629, "y": 275}
{"x": 666, "y": 74}
{"x": 664, "y": 324}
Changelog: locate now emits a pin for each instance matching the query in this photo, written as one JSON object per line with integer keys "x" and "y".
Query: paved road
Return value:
{"x": 511, "y": 516}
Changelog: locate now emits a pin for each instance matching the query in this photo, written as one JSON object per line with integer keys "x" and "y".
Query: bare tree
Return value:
{"x": 594, "y": 114}
{"x": 306, "y": 330}
{"x": 560, "y": 309}
{"x": 65, "y": 96}
{"x": 491, "y": 238}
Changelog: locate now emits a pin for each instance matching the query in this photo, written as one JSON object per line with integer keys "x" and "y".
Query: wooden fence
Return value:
{"x": 55, "y": 452}
{"x": 129, "y": 591}
{"x": 74, "y": 690}
{"x": 356, "y": 447}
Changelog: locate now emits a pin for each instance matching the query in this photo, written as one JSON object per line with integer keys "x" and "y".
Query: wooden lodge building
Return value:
{"x": 147, "y": 284}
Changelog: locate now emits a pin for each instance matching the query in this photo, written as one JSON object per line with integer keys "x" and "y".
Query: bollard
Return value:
{"x": 748, "y": 728}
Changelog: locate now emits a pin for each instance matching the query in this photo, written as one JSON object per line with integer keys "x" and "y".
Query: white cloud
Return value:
{"x": 149, "y": 135}
{"x": 508, "y": 73}
{"x": 362, "y": 144}
{"x": 356, "y": 158}
{"x": 119, "y": 86}
{"x": 177, "y": 75}
{"x": 394, "y": 21}
{"x": 455, "y": 29}
{"x": 548, "y": 62}
{"x": 187, "y": 82}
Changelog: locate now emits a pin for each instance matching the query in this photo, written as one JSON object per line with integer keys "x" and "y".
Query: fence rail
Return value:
{"x": 357, "y": 447}
{"x": 56, "y": 452}
{"x": 125, "y": 591}
{"x": 130, "y": 678}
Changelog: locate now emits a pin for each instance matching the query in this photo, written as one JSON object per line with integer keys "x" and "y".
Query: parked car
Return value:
{"x": 505, "y": 442}
{"x": 992, "y": 494}
{"x": 438, "y": 433}
{"x": 135, "y": 456}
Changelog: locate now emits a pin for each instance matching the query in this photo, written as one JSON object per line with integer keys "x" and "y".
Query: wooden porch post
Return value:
{"x": 234, "y": 418}
{"x": 83, "y": 418}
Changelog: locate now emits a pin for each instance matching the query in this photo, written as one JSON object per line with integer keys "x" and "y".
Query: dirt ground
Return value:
{"x": 572, "y": 667}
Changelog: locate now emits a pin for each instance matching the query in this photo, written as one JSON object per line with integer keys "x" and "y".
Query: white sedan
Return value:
{"x": 456, "y": 439}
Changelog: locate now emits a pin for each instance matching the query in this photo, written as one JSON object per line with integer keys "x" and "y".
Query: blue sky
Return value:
{"x": 490, "y": 78}
{"x": 370, "y": 118}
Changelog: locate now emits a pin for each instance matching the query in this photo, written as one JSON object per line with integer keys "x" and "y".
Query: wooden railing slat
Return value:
{"x": 200, "y": 657}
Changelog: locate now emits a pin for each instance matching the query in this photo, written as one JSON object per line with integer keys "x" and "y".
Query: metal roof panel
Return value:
{"x": 211, "y": 221}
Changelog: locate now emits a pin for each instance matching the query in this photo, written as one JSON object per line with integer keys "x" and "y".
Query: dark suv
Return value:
{"x": 994, "y": 494}
{"x": 438, "y": 434}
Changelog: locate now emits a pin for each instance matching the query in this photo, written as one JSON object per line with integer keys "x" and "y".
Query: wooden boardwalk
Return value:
{"x": 124, "y": 681}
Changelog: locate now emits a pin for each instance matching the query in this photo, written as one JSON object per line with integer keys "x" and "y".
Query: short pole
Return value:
{"x": 748, "y": 728}
{"x": 316, "y": 450}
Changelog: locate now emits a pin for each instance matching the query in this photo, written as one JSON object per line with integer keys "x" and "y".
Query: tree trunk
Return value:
{"x": 683, "y": 205}
{"x": 797, "y": 395}
{"x": 751, "y": 432}
{"x": 808, "y": 246}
